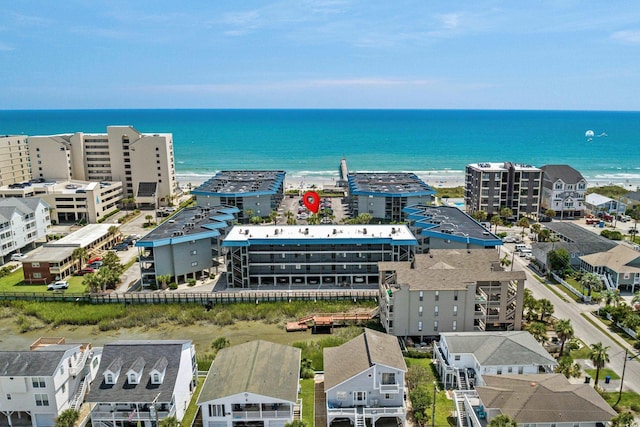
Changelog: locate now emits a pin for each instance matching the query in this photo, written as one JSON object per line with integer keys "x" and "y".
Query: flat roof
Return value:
{"x": 241, "y": 183}
{"x": 502, "y": 166}
{"x": 573, "y": 233}
{"x": 60, "y": 187}
{"x": 82, "y": 237}
{"x": 244, "y": 235}
{"x": 388, "y": 184}
{"x": 188, "y": 223}
{"x": 449, "y": 222}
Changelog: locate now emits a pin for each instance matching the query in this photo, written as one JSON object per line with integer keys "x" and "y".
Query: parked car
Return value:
{"x": 84, "y": 271}
{"x": 120, "y": 247}
{"x": 17, "y": 256}
{"x": 60, "y": 284}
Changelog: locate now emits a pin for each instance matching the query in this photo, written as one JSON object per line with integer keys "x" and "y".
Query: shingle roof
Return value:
{"x": 129, "y": 353}
{"x": 41, "y": 363}
{"x": 359, "y": 354}
{"x": 450, "y": 269}
{"x": 259, "y": 367}
{"x": 563, "y": 172}
{"x": 499, "y": 348}
{"x": 620, "y": 259}
{"x": 544, "y": 398}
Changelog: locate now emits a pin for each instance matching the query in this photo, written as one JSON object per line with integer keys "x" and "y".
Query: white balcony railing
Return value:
{"x": 389, "y": 388}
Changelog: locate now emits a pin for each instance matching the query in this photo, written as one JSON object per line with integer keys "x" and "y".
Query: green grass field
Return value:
{"x": 15, "y": 282}
{"x": 603, "y": 373}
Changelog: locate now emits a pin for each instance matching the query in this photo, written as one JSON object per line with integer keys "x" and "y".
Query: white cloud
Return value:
{"x": 5, "y": 47}
{"x": 628, "y": 36}
{"x": 449, "y": 21}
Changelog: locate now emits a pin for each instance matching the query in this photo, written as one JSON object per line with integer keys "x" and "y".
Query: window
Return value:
{"x": 455, "y": 310}
{"x": 194, "y": 263}
{"x": 420, "y": 325}
{"x": 109, "y": 379}
{"x": 456, "y": 357}
{"x": 35, "y": 264}
{"x": 454, "y": 326}
{"x": 387, "y": 396}
{"x": 95, "y": 362}
{"x": 133, "y": 379}
{"x": 194, "y": 252}
{"x": 520, "y": 370}
{"x": 156, "y": 378}
{"x": 420, "y": 311}
{"x": 436, "y": 310}
{"x": 216, "y": 410}
{"x": 388, "y": 378}
{"x": 437, "y": 296}
{"x": 509, "y": 370}
{"x": 499, "y": 371}
{"x": 455, "y": 295}
{"x": 38, "y": 382}
{"x": 421, "y": 295}
{"x": 8, "y": 396}
{"x": 64, "y": 388}
{"x": 42, "y": 399}
{"x": 435, "y": 325}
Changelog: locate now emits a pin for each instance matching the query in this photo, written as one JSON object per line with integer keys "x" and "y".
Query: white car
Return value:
{"x": 17, "y": 257}
{"x": 60, "y": 284}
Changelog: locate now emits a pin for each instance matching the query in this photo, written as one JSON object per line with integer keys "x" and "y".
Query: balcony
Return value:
{"x": 389, "y": 388}
{"x": 257, "y": 412}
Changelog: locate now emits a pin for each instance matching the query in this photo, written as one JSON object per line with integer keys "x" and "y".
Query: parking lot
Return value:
{"x": 294, "y": 205}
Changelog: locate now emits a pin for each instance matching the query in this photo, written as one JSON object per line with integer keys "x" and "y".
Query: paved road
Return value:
{"x": 585, "y": 330}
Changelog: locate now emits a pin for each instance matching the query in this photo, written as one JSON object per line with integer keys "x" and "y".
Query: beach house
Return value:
{"x": 252, "y": 384}
{"x": 143, "y": 382}
{"x": 37, "y": 385}
{"x": 364, "y": 380}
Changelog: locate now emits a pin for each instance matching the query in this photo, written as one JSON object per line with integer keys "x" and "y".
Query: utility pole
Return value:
{"x": 154, "y": 403}
{"x": 624, "y": 367}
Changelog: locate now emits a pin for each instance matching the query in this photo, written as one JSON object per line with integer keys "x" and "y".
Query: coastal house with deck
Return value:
{"x": 563, "y": 191}
{"x": 37, "y": 385}
{"x": 619, "y": 268}
{"x": 254, "y": 384}
{"x": 535, "y": 400}
{"x": 364, "y": 381}
{"x": 464, "y": 358}
{"x": 143, "y": 382}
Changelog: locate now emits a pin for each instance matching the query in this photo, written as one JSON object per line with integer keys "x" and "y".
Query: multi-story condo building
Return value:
{"x": 72, "y": 201}
{"x": 447, "y": 227}
{"x": 54, "y": 261}
{"x": 14, "y": 160}
{"x": 143, "y": 162}
{"x": 490, "y": 187}
{"x": 313, "y": 255}
{"x": 37, "y": 385}
{"x": 254, "y": 193}
{"x": 187, "y": 245}
{"x": 563, "y": 190}
{"x": 143, "y": 382}
{"x": 448, "y": 291}
{"x": 22, "y": 223}
{"x": 252, "y": 384}
{"x": 385, "y": 195}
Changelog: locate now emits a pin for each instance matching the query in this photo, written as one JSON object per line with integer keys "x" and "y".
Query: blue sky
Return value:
{"x": 561, "y": 54}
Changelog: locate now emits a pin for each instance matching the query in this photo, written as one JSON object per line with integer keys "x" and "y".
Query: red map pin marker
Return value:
{"x": 311, "y": 200}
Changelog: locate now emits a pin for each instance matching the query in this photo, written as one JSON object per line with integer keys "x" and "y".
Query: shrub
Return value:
{"x": 191, "y": 282}
{"x": 635, "y": 407}
{"x": 611, "y": 235}
{"x": 415, "y": 354}
{"x": 173, "y": 286}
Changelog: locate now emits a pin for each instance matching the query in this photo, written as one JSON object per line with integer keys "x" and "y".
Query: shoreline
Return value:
{"x": 435, "y": 179}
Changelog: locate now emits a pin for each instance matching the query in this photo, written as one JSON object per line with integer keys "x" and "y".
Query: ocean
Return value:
{"x": 308, "y": 144}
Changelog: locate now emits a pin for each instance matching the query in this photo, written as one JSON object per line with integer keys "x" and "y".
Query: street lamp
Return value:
{"x": 433, "y": 411}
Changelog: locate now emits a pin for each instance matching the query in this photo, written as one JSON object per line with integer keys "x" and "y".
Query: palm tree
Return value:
{"x": 496, "y": 221}
{"x": 502, "y": 420}
{"x": 591, "y": 282}
{"x": 506, "y": 213}
{"x": 505, "y": 261}
{"x": 544, "y": 235}
{"x": 273, "y": 216}
{"x": 80, "y": 255}
{"x": 92, "y": 282}
{"x": 635, "y": 301}
{"x": 611, "y": 296}
{"x": 529, "y": 303}
{"x": 256, "y": 220}
{"x": 479, "y": 215}
{"x": 631, "y": 321}
{"x": 546, "y": 308}
{"x": 148, "y": 218}
{"x": 291, "y": 219}
{"x": 524, "y": 223}
{"x": 568, "y": 368}
{"x": 538, "y": 330}
{"x": 163, "y": 279}
{"x": 550, "y": 213}
{"x": 599, "y": 357}
{"x": 564, "y": 330}
{"x": 535, "y": 229}
{"x": 623, "y": 419}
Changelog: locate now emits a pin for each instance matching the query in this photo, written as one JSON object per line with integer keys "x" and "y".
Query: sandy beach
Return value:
{"x": 436, "y": 180}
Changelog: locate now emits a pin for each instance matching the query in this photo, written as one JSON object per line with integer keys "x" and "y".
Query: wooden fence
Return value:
{"x": 255, "y": 297}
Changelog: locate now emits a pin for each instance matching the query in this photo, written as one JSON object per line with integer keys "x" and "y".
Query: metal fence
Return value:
{"x": 197, "y": 298}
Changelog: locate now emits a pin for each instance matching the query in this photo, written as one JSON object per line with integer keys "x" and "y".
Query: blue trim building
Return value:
{"x": 313, "y": 256}
{"x": 185, "y": 246}
{"x": 383, "y": 195}
{"x": 447, "y": 227}
{"x": 252, "y": 192}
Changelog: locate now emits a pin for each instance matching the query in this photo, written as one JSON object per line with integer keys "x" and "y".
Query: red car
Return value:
{"x": 84, "y": 271}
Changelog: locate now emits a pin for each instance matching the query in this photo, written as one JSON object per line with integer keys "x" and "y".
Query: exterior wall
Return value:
{"x": 186, "y": 380}
{"x": 566, "y": 199}
{"x": 258, "y": 205}
{"x": 386, "y": 208}
{"x": 176, "y": 260}
{"x": 51, "y": 156}
{"x": 368, "y": 381}
{"x": 408, "y": 312}
{"x": 272, "y": 412}
{"x": 23, "y": 230}
{"x": 14, "y": 160}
